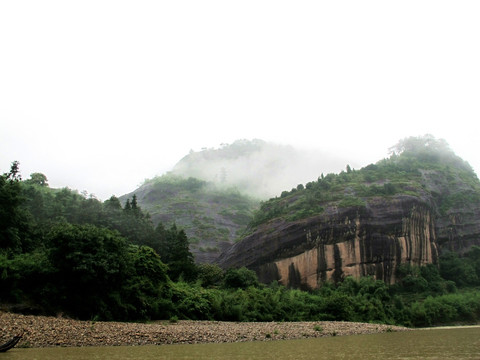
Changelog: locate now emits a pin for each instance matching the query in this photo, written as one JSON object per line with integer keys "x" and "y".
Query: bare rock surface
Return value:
{"x": 42, "y": 331}
{"x": 340, "y": 242}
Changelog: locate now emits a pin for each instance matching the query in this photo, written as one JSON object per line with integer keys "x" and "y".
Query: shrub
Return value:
{"x": 240, "y": 278}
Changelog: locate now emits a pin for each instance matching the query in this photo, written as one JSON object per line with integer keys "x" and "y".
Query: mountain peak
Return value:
{"x": 259, "y": 168}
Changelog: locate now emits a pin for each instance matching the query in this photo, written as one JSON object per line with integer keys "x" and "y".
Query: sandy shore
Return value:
{"x": 42, "y": 331}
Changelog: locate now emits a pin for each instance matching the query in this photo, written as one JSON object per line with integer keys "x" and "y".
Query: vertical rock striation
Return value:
{"x": 363, "y": 241}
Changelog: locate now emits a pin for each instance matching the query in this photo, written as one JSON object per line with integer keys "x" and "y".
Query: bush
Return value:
{"x": 240, "y": 278}
{"x": 461, "y": 271}
{"x": 191, "y": 301}
{"x": 210, "y": 275}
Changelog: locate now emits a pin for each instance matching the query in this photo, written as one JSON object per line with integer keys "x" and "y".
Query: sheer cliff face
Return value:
{"x": 457, "y": 226}
{"x": 370, "y": 241}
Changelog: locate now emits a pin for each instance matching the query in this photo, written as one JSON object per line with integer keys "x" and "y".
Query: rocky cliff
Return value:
{"x": 357, "y": 241}
{"x": 408, "y": 209}
{"x": 457, "y": 204}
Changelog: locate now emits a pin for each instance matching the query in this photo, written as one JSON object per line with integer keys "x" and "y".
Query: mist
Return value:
{"x": 261, "y": 169}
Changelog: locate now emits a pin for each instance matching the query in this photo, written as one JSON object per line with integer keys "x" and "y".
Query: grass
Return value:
{"x": 318, "y": 328}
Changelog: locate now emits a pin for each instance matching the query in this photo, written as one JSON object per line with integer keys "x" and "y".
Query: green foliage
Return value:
{"x": 462, "y": 271}
{"x": 240, "y": 278}
{"x": 23, "y": 277}
{"x": 446, "y": 309}
{"x": 208, "y": 213}
{"x": 175, "y": 183}
{"x": 87, "y": 272}
{"x": 174, "y": 251}
{"x": 47, "y": 207}
{"x": 63, "y": 251}
{"x": 37, "y": 179}
{"x": 13, "y": 220}
{"x": 191, "y": 301}
{"x": 89, "y": 266}
{"x": 147, "y": 284}
{"x": 417, "y": 167}
{"x": 94, "y": 273}
{"x": 210, "y": 275}
{"x": 351, "y": 202}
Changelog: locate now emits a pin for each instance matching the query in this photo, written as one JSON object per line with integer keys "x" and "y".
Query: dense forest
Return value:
{"x": 62, "y": 252}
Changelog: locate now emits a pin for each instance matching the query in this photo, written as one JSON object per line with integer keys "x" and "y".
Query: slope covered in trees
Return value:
{"x": 212, "y": 193}
{"x": 61, "y": 251}
{"x": 421, "y": 167}
{"x": 213, "y": 217}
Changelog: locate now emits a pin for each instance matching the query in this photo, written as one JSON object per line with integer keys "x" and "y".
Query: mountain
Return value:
{"x": 421, "y": 201}
{"x": 258, "y": 168}
{"x": 212, "y": 193}
{"x": 213, "y": 217}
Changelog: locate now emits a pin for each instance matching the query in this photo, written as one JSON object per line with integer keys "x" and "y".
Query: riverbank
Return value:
{"x": 42, "y": 331}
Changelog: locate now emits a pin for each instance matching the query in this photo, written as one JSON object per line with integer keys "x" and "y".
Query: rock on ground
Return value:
{"x": 43, "y": 331}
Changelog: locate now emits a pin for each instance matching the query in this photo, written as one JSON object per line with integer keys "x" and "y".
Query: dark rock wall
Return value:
{"x": 370, "y": 241}
{"x": 460, "y": 230}
{"x": 457, "y": 215}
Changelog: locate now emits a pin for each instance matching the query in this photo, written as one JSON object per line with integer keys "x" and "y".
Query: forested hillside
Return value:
{"x": 421, "y": 167}
{"x": 61, "y": 250}
{"x": 213, "y": 193}
{"x": 213, "y": 216}
{"x": 67, "y": 253}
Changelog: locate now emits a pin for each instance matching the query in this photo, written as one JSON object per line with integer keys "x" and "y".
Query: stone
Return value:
{"x": 357, "y": 241}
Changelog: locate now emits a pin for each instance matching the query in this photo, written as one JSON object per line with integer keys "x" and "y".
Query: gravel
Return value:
{"x": 43, "y": 331}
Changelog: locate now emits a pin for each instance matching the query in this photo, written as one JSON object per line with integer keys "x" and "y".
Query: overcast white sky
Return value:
{"x": 99, "y": 95}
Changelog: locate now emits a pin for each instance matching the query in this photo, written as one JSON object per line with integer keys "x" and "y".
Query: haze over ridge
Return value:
{"x": 260, "y": 168}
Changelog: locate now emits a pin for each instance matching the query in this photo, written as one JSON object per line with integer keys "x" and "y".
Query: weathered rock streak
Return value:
{"x": 370, "y": 241}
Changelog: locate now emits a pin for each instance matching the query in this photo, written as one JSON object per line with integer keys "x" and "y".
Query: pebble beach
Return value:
{"x": 43, "y": 331}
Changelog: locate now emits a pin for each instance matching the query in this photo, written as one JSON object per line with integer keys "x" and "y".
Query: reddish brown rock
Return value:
{"x": 368, "y": 241}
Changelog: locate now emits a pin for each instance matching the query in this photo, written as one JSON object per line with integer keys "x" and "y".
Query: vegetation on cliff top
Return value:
{"x": 424, "y": 167}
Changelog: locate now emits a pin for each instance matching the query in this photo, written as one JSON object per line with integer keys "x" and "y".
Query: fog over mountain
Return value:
{"x": 259, "y": 168}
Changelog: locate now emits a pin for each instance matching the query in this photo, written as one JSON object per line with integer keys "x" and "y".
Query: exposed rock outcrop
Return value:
{"x": 358, "y": 241}
{"x": 457, "y": 207}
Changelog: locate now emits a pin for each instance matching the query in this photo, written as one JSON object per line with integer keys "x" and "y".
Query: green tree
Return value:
{"x": 210, "y": 275}
{"x": 135, "y": 208}
{"x": 90, "y": 265}
{"x": 24, "y": 277}
{"x": 240, "y": 278}
{"x": 13, "y": 220}
{"x": 473, "y": 256}
{"x": 113, "y": 203}
{"x": 178, "y": 256}
{"x": 38, "y": 179}
{"x": 457, "y": 269}
{"x": 131, "y": 222}
{"x": 147, "y": 284}
{"x": 160, "y": 242}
